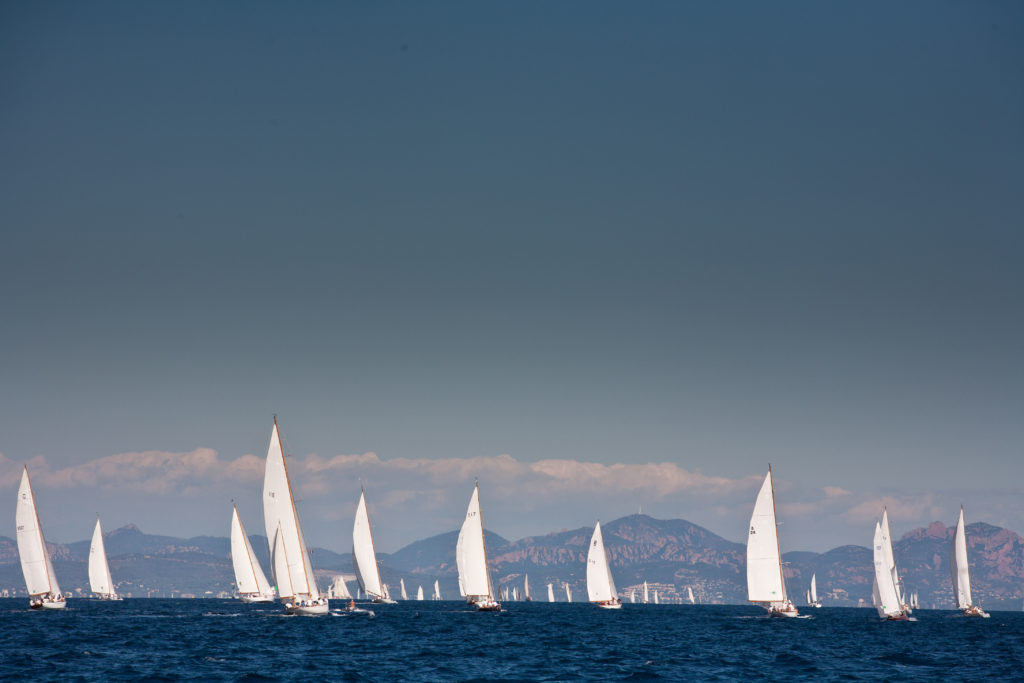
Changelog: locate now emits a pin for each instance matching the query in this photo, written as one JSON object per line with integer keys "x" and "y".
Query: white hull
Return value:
{"x": 47, "y": 603}
{"x": 307, "y": 610}
{"x": 784, "y": 610}
{"x": 609, "y": 605}
{"x": 384, "y": 601}
{"x": 256, "y": 598}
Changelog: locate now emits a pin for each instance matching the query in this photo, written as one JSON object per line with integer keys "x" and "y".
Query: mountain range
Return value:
{"x": 670, "y": 555}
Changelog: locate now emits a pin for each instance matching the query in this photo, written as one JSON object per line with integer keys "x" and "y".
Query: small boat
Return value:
{"x": 551, "y": 592}
{"x": 471, "y": 559}
{"x": 250, "y": 580}
{"x": 961, "y": 573}
{"x": 99, "y": 569}
{"x": 689, "y": 595}
{"x": 41, "y": 582}
{"x": 632, "y": 596}
{"x": 289, "y": 556}
{"x": 568, "y": 593}
{"x": 437, "y": 590}
{"x": 812, "y": 594}
{"x": 765, "y": 583}
{"x": 365, "y": 558}
{"x": 600, "y": 584}
{"x": 526, "y": 588}
{"x": 884, "y": 593}
{"x": 401, "y": 584}
{"x": 656, "y": 597}
{"x": 647, "y": 597}
{"x": 339, "y": 589}
{"x": 419, "y": 593}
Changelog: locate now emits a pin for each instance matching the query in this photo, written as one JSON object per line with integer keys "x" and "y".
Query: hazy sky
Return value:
{"x": 551, "y": 246}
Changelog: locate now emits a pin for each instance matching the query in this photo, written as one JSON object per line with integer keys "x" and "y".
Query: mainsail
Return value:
{"x": 958, "y": 565}
{"x": 99, "y": 570}
{"x": 35, "y": 560}
{"x": 471, "y": 554}
{"x": 884, "y": 593}
{"x": 551, "y": 593}
{"x": 401, "y": 584}
{"x": 437, "y": 590}
{"x": 764, "y": 563}
{"x": 363, "y": 555}
{"x": 249, "y": 576}
{"x": 890, "y": 557}
{"x": 600, "y": 584}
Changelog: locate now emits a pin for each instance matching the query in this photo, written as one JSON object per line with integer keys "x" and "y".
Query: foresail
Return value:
{"x": 363, "y": 555}
{"x": 814, "y": 589}
{"x": 35, "y": 563}
{"x": 764, "y": 566}
{"x": 282, "y": 572}
{"x": 249, "y": 576}
{"x": 99, "y": 570}
{"x": 888, "y": 602}
{"x": 958, "y": 565}
{"x": 469, "y": 550}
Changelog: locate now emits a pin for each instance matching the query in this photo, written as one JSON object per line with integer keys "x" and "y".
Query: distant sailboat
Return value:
{"x": 600, "y": 584}
{"x": 632, "y": 596}
{"x": 250, "y": 580}
{"x": 99, "y": 570}
{"x": 689, "y": 595}
{"x": 884, "y": 594}
{"x": 437, "y": 590}
{"x": 401, "y": 584}
{"x": 526, "y": 588}
{"x": 365, "y": 558}
{"x": 41, "y": 582}
{"x": 551, "y": 593}
{"x": 647, "y": 596}
{"x": 961, "y": 573}
{"x": 339, "y": 589}
{"x": 419, "y": 593}
{"x": 471, "y": 559}
{"x": 656, "y": 597}
{"x": 812, "y": 594}
{"x": 568, "y": 593}
{"x": 765, "y": 583}
{"x": 289, "y": 557}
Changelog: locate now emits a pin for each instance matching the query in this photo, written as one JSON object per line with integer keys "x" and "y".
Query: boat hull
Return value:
{"x": 308, "y": 610}
{"x": 975, "y": 612}
{"x": 50, "y": 604}
{"x": 256, "y": 598}
{"x": 488, "y": 606}
{"x": 609, "y": 605}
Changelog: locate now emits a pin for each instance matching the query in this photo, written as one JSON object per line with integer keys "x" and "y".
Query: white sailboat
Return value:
{"x": 471, "y": 558}
{"x": 689, "y": 595}
{"x": 419, "y": 593}
{"x": 656, "y": 597}
{"x": 437, "y": 590}
{"x": 250, "y": 580}
{"x": 289, "y": 557}
{"x": 647, "y": 595}
{"x": 41, "y": 582}
{"x": 401, "y": 584}
{"x": 632, "y": 596}
{"x": 960, "y": 572}
{"x": 551, "y": 592}
{"x": 100, "y": 582}
{"x": 600, "y": 584}
{"x": 568, "y": 593}
{"x": 812, "y": 593}
{"x": 339, "y": 589}
{"x": 526, "y": 588}
{"x": 765, "y": 583}
{"x": 890, "y": 558}
{"x": 364, "y": 557}
{"x": 884, "y": 594}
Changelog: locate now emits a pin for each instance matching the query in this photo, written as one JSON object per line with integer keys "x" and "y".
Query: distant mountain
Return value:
{"x": 669, "y": 554}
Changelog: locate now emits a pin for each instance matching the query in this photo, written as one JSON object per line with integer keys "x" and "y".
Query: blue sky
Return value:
{"x": 711, "y": 236}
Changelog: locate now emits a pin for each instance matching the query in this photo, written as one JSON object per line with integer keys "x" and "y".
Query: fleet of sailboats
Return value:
{"x": 250, "y": 580}
{"x": 812, "y": 593}
{"x": 289, "y": 556}
{"x": 100, "y": 583}
{"x": 961, "y": 573}
{"x": 471, "y": 559}
{"x": 600, "y": 584}
{"x": 41, "y": 582}
{"x": 365, "y": 558}
{"x": 765, "y": 582}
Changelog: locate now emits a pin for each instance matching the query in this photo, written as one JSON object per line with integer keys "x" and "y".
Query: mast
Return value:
{"x": 778, "y": 544}
{"x": 483, "y": 540}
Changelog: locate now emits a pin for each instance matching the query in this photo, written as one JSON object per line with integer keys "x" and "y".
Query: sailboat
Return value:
{"x": 419, "y": 593}
{"x": 526, "y": 588}
{"x": 765, "y": 583}
{"x": 289, "y": 557}
{"x": 600, "y": 584}
{"x": 250, "y": 580}
{"x": 812, "y": 594}
{"x": 632, "y": 596}
{"x": 689, "y": 595}
{"x": 41, "y": 582}
{"x": 339, "y": 589}
{"x": 551, "y": 592}
{"x": 401, "y": 585}
{"x": 884, "y": 593}
{"x": 437, "y": 590}
{"x": 364, "y": 558}
{"x": 647, "y": 596}
{"x": 568, "y": 593}
{"x": 656, "y": 597}
{"x": 99, "y": 570}
{"x": 961, "y": 573}
{"x": 471, "y": 558}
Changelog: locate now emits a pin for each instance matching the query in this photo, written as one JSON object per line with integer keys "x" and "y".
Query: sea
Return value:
{"x": 225, "y": 640}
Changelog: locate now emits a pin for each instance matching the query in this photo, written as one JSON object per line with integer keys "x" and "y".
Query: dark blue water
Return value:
{"x": 221, "y": 640}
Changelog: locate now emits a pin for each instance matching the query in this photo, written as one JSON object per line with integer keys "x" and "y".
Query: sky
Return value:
{"x": 602, "y": 257}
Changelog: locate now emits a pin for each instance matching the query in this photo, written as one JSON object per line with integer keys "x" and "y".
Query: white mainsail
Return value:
{"x": 600, "y": 584}
{"x": 551, "y": 593}
{"x": 419, "y": 593}
{"x": 249, "y": 577}
{"x": 289, "y": 557}
{"x": 437, "y": 590}
{"x": 647, "y": 595}
{"x": 340, "y": 589}
{"x": 568, "y": 593}
{"x": 363, "y": 555}
{"x": 960, "y": 573}
{"x": 884, "y": 594}
{"x": 656, "y": 597}
{"x": 689, "y": 594}
{"x": 526, "y": 588}
{"x": 632, "y": 595}
{"x": 401, "y": 584}
{"x": 890, "y": 557}
{"x": 40, "y": 579}
{"x": 99, "y": 570}
{"x": 471, "y": 555}
{"x": 764, "y": 563}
